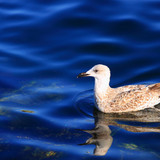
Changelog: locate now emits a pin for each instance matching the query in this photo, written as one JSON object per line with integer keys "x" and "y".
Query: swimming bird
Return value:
{"x": 121, "y": 99}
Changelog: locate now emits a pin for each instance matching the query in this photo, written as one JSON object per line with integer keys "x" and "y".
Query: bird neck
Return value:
{"x": 101, "y": 87}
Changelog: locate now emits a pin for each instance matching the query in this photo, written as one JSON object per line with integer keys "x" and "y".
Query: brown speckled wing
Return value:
{"x": 129, "y": 87}
{"x": 130, "y": 100}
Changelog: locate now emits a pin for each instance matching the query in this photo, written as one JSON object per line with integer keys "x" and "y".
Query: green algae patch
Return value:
{"x": 4, "y": 112}
{"x": 28, "y": 93}
{"x": 40, "y": 154}
{"x": 50, "y": 153}
{"x": 28, "y": 111}
{"x": 130, "y": 146}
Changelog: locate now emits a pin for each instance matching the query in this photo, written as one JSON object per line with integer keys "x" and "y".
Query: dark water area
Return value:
{"x": 47, "y": 113}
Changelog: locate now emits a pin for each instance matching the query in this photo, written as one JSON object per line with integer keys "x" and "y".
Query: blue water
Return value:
{"x": 47, "y": 113}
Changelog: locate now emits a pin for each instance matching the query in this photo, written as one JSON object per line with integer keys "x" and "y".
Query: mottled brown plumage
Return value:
{"x": 121, "y": 99}
{"x": 137, "y": 98}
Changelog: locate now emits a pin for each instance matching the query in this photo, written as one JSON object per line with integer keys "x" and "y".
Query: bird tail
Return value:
{"x": 155, "y": 87}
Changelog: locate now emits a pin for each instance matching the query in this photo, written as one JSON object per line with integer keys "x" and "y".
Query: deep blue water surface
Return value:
{"x": 44, "y": 45}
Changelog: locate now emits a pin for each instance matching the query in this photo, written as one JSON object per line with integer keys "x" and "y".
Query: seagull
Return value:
{"x": 122, "y": 99}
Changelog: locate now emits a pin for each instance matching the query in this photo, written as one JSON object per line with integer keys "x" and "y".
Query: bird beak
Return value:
{"x": 83, "y": 75}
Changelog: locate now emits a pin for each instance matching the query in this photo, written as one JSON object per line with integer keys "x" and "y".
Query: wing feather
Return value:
{"x": 130, "y": 100}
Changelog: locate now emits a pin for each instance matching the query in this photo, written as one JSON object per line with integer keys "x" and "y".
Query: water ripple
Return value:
{"x": 44, "y": 45}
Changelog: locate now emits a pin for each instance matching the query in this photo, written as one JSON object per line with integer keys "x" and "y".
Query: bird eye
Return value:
{"x": 95, "y": 70}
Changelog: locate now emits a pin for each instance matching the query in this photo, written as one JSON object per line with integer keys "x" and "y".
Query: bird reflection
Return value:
{"x": 101, "y": 134}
